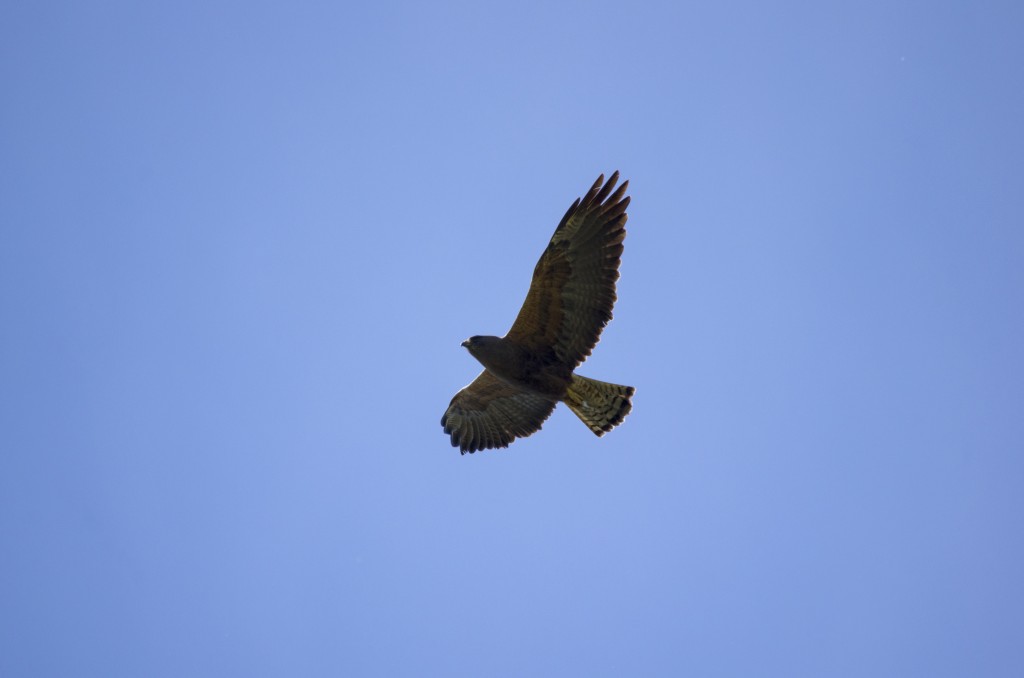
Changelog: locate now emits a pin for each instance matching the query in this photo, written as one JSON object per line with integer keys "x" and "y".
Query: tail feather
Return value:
{"x": 600, "y": 405}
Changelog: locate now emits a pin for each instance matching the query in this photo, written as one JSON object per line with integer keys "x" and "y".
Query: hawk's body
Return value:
{"x": 529, "y": 370}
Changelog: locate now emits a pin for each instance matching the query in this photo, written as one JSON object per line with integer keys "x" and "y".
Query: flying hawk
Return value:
{"x": 529, "y": 370}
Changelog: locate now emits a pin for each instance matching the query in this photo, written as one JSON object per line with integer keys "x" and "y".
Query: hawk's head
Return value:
{"x": 477, "y": 343}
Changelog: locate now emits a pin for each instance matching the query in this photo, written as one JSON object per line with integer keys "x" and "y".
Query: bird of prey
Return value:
{"x": 529, "y": 370}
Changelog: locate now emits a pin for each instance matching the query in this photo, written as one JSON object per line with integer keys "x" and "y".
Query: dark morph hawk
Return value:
{"x": 529, "y": 370}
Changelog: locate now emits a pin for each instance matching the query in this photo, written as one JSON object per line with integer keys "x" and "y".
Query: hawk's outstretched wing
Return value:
{"x": 490, "y": 413}
{"x": 573, "y": 289}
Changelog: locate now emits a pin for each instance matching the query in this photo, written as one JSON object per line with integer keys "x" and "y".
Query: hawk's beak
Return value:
{"x": 465, "y": 344}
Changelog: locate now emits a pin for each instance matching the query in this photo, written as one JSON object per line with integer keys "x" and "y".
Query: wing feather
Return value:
{"x": 573, "y": 288}
{"x": 490, "y": 413}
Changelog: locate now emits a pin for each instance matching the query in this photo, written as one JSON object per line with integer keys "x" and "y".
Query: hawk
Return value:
{"x": 529, "y": 370}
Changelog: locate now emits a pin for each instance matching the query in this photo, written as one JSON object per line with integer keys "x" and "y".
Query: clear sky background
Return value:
{"x": 241, "y": 243}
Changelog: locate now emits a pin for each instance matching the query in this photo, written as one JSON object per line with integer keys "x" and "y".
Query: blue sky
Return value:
{"x": 240, "y": 244}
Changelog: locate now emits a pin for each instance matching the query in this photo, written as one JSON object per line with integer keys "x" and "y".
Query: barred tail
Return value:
{"x": 601, "y": 406}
